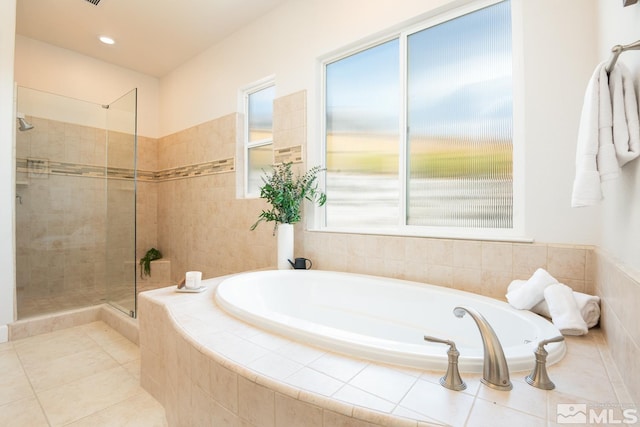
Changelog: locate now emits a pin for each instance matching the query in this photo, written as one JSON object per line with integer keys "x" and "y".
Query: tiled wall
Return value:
{"x": 619, "y": 289}
{"x": 201, "y": 224}
{"x": 481, "y": 267}
{"x": 146, "y": 196}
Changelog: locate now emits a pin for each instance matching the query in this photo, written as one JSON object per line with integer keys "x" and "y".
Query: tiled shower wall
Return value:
{"x": 55, "y": 249}
{"x": 61, "y": 225}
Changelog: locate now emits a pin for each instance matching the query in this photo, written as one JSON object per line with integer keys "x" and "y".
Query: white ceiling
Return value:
{"x": 152, "y": 36}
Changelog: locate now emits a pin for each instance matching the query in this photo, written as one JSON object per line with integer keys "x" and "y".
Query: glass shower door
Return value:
{"x": 60, "y": 210}
{"x": 120, "y": 198}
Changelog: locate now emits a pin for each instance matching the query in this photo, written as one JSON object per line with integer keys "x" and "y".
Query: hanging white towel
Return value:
{"x": 626, "y": 126}
{"x": 609, "y": 134}
{"x": 564, "y": 310}
{"x": 588, "y": 305}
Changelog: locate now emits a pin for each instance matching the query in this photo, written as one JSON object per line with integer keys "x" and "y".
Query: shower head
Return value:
{"x": 23, "y": 123}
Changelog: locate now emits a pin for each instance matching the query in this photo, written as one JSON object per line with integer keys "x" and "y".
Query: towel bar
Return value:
{"x": 617, "y": 50}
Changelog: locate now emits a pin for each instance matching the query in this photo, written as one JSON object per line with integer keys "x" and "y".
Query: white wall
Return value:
{"x": 7, "y": 193}
{"x": 557, "y": 46}
{"x": 559, "y": 55}
{"x": 285, "y": 43}
{"x": 52, "y": 69}
{"x": 620, "y": 223}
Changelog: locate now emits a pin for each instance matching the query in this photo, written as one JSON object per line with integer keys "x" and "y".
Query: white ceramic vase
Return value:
{"x": 285, "y": 246}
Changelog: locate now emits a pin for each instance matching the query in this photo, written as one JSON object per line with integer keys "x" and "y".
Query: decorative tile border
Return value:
{"x": 201, "y": 169}
{"x": 288, "y": 154}
{"x": 38, "y": 168}
{"x": 147, "y": 176}
{"x": 42, "y": 168}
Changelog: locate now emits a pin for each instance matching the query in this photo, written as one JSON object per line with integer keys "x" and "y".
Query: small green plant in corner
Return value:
{"x": 145, "y": 262}
{"x": 285, "y": 192}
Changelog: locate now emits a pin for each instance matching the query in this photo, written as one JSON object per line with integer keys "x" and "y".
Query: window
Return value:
{"x": 258, "y": 152}
{"x": 362, "y": 116}
{"x": 418, "y": 129}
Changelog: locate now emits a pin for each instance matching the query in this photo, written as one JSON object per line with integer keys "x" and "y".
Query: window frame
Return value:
{"x": 402, "y": 32}
{"x": 246, "y": 92}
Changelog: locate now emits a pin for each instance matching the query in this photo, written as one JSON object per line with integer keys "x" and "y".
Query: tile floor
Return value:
{"x": 88, "y": 375}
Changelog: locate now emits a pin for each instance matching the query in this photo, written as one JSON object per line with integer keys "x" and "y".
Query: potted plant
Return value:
{"x": 285, "y": 192}
{"x": 145, "y": 262}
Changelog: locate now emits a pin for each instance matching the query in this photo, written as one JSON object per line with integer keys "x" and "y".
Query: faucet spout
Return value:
{"x": 495, "y": 372}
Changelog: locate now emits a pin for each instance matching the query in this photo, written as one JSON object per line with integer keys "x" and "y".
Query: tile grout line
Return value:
{"x": 613, "y": 373}
{"x": 397, "y": 404}
{"x": 35, "y": 393}
{"x": 121, "y": 365}
{"x": 82, "y": 332}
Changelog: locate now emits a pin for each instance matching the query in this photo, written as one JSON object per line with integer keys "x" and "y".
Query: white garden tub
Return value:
{"x": 383, "y": 319}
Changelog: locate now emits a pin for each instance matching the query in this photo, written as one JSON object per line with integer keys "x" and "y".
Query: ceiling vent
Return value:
{"x": 93, "y": 2}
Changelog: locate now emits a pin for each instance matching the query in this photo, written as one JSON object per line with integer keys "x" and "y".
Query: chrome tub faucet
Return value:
{"x": 495, "y": 372}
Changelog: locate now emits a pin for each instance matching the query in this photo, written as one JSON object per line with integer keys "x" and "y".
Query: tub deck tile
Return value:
{"x": 358, "y": 397}
{"x": 260, "y": 379}
{"x": 384, "y": 382}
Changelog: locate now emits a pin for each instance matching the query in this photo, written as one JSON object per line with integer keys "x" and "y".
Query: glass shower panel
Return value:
{"x": 120, "y": 202}
{"x": 60, "y": 209}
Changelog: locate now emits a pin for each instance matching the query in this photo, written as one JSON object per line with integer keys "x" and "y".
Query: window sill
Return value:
{"x": 492, "y": 235}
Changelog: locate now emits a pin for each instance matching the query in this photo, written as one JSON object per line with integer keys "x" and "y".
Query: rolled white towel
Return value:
{"x": 564, "y": 310}
{"x": 532, "y": 292}
{"x": 588, "y": 305}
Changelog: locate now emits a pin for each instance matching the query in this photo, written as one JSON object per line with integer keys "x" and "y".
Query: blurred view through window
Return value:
{"x": 419, "y": 128}
{"x": 259, "y": 136}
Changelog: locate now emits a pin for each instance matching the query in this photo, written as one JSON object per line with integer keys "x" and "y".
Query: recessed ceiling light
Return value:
{"x": 106, "y": 40}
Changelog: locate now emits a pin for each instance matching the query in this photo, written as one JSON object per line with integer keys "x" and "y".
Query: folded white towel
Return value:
{"x": 564, "y": 310}
{"x": 588, "y": 305}
{"x": 609, "y": 133}
{"x": 532, "y": 292}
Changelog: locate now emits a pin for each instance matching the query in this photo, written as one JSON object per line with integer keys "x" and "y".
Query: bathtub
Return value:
{"x": 383, "y": 319}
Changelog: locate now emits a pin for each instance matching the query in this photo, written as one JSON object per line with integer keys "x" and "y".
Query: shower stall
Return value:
{"x": 75, "y": 203}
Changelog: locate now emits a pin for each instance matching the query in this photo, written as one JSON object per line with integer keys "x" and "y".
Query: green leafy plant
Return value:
{"x": 285, "y": 192}
{"x": 145, "y": 262}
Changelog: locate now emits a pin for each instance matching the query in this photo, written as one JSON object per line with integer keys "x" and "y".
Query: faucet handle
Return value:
{"x": 538, "y": 377}
{"x": 451, "y": 379}
{"x": 542, "y": 343}
{"x": 451, "y": 344}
